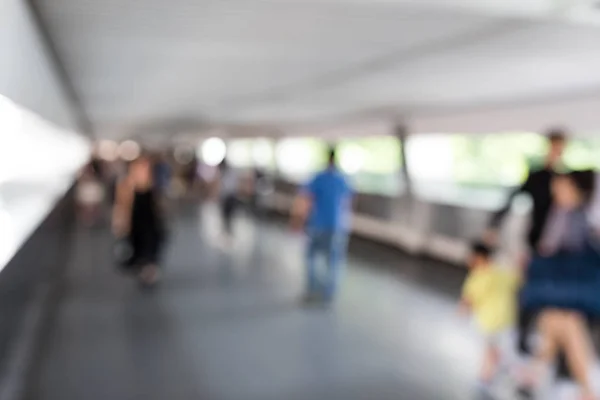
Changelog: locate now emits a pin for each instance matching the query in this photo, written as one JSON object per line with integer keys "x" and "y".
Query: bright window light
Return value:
{"x": 299, "y": 158}
{"x": 108, "y": 150}
{"x": 263, "y": 153}
{"x": 239, "y": 153}
{"x": 129, "y": 150}
{"x": 430, "y": 157}
{"x": 213, "y": 151}
{"x": 292, "y": 156}
{"x": 373, "y": 163}
{"x": 351, "y": 158}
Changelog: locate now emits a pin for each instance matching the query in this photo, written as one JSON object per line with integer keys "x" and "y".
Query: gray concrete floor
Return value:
{"x": 227, "y": 325}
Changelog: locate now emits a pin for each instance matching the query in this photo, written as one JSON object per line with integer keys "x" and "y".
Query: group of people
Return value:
{"x": 136, "y": 193}
{"x": 139, "y": 196}
{"x": 555, "y": 293}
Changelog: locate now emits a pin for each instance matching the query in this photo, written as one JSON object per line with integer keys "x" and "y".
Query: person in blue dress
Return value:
{"x": 324, "y": 208}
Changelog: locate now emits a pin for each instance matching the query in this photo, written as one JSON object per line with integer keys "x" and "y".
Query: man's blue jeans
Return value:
{"x": 328, "y": 249}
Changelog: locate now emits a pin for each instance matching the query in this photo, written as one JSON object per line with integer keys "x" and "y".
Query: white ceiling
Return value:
{"x": 156, "y": 65}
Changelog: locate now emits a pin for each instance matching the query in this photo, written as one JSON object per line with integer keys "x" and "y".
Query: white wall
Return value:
{"x": 26, "y": 75}
{"x": 40, "y": 151}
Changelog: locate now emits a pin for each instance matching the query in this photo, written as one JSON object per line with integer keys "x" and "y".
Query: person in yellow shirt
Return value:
{"x": 490, "y": 295}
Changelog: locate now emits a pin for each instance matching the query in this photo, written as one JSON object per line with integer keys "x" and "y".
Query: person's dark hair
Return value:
{"x": 331, "y": 154}
{"x": 481, "y": 249}
{"x": 557, "y": 135}
{"x": 585, "y": 181}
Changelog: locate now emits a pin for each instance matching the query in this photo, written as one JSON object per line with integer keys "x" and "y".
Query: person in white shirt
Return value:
{"x": 89, "y": 195}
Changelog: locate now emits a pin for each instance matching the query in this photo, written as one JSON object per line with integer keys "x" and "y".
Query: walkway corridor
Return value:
{"x": 229, "y": 326}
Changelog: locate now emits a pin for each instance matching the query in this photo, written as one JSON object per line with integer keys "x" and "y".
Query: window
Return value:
{"x": 474, "y": 160}
{"x": 212, "y": 151}
{"x": 471, "y": 170}
{"x": 263, "y": 153}
{"x": 239, "y": 153}
{"x": 582, "y": 154}
{"x": 373, "y": 163}
{"x": 429, "y": 158}
{"x": 496, "y": 160}
{"x": 299, "y": 158}
{"x": 251, "y": 153}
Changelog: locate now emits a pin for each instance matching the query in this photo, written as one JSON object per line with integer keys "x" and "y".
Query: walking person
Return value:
{"x": 138, "y": 217}
{"x": 262, "y": 188}
{"x": 563, "y": 284}
{"x": 490, "y": 295}
{"x": 538, "y": 187}
{"x": 229, "y": 201}
{"x": 324, "y": 205}
{"x": 90, "y": 194}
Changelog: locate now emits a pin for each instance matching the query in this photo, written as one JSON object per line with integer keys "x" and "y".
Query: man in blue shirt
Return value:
{"x": 324, "y": 204}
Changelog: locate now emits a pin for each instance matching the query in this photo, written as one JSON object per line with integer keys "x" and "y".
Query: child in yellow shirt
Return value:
{"x": 490, "y": 294}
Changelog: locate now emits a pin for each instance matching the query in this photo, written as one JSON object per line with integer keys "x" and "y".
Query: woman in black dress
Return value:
{"x": 138, "y": 216}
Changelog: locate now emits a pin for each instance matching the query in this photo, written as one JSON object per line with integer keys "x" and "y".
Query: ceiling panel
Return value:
{"x": 142, "y": 62}
{"x": 535, "y": 62}
{"x": 145, "y": 58}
